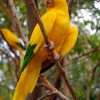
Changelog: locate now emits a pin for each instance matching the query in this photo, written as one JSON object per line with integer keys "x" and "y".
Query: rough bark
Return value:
{"x": 31, "y": 19}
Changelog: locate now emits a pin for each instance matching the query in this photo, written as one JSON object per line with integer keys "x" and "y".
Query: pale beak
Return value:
{"x": 44, "y": 2}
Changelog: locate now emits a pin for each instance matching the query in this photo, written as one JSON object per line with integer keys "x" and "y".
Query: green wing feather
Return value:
{"x": 29, "y": 54}
{"x": 20, "y": 44}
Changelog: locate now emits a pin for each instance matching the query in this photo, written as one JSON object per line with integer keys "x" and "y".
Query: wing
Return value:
{"x": 37, "y": 38}
{"x": 69, "y": 41}
{"x": 20, "y": 45}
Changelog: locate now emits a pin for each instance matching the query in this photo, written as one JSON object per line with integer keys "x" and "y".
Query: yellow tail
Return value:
{"x": 28, "y": 80}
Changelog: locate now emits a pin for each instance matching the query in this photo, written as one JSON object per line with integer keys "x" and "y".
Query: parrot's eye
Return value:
{"x": 47, "y": 2}
{"x": 50, "y": 3}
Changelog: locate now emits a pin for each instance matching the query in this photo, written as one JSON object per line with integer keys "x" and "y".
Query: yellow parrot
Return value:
{"x": 12, "y": 40}
{"x": 57, "y": 25}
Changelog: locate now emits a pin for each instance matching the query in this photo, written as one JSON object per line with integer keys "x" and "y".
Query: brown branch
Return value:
{"x": 57, "y": 85}
{"x": 71, "y": 7}
{"x": 94, "y": 70}
{"x": 11, "y": 71}
{"x": 7, "y": 10}
{"x": 67, "y": 81}
{"x": 31, "y": 20}
{"x": 88, "y": 53}
{"x": 13, "y": 60}
{"x": 47, "y": 95}
{"x": 94, "y": 50}
{"x": 17, "y": 61}
{"x": 85, "y": 36}
{"x": 51, "y": 51}
{"x": 13, "y": 9}
{"x": 52, "y": 88}
{"x": 7, "y": 55}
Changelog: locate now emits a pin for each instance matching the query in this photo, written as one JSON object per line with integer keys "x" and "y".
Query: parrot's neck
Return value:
{"x": 59, "y": 4}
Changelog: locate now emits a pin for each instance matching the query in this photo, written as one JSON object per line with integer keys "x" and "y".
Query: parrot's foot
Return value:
{"x": 51, "y": 47}
{"x": 56, "y": 56}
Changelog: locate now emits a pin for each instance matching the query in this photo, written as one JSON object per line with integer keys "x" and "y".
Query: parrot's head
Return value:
{"x": 48, "y": 3}
{"x": 4, "y": 31}
{"x": 52, "y": 3}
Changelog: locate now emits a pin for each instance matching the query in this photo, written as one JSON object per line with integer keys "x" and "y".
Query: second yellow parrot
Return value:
{"x": 57, "y": 25}
{"x": 12, "y": 40}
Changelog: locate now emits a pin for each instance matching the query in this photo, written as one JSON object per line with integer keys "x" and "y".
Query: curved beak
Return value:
{"x": 44, "y": 2}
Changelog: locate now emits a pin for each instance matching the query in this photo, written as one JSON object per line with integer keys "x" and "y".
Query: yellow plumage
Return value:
{"x": 69, "y": 41}
{"x": 57, "y": 25}
{"x": 12, "y": 40}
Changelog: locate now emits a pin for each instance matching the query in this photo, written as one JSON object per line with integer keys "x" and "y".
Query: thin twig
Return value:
{"x": 7, "y": 55}
{"x": 47, "y": 95}
{"x": 94, "y": 70}
{"x": 88, "y": 53}
{"x": 12, "y": 58}
{"x": 85, "y": 36}
{"x": 13, "y": 9}
{"x": 31, "y": 20}
{"x": 17, "y": 61}
{"x": 6, "y": 87}
{"x": 67, "y": 81}
{"x": 71, "y": 4}
{"x": 50, "y": 87}
{"x": 7, "y": 10}
{"x": 51, "y": 51}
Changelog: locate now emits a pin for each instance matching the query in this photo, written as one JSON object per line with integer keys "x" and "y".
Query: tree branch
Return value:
{"x": 31, "y": 16}
{"x": 47, "y": 95}
{"x": 52, "y": 88}
{"x": 13, "y": 9}
{"x": 87, "y": 54}
{"x": 94, "y": 70}
{"x": 7, "y": 10}
{"x": 71, "y": 4}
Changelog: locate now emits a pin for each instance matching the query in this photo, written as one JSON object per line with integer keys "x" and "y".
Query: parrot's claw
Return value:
{"x": 51, "y": 45}
{"x": 56, "y": 56}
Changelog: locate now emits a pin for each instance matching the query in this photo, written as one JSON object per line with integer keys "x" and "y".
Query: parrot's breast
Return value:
{"x": 58, "y": 32}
